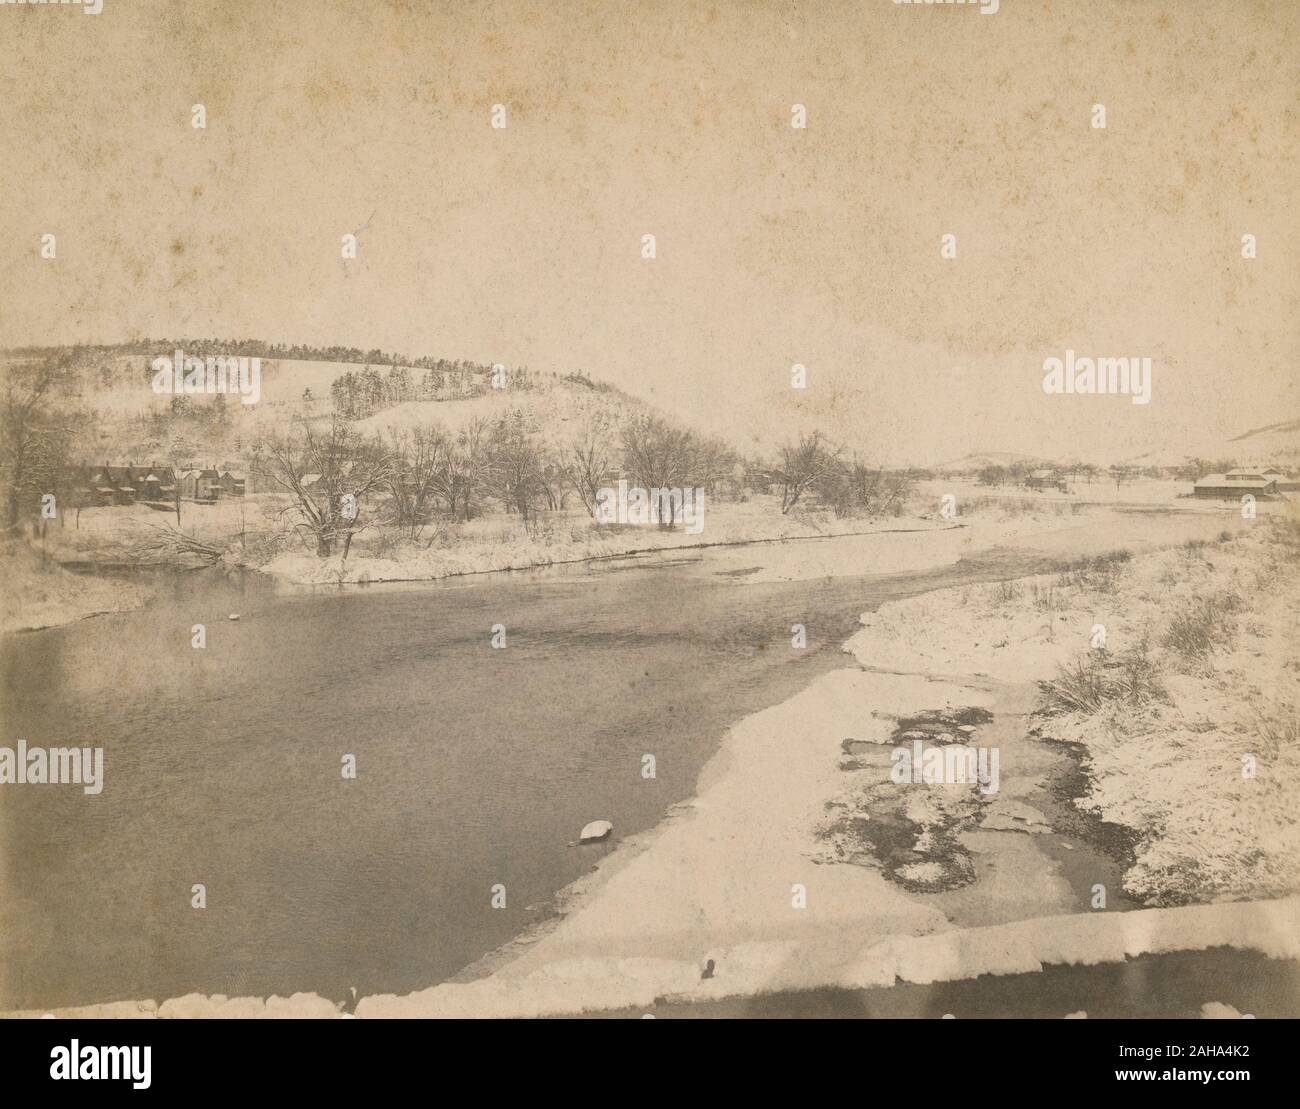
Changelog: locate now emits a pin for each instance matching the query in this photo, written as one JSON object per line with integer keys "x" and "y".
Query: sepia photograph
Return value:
{"x": 671, "y": 509}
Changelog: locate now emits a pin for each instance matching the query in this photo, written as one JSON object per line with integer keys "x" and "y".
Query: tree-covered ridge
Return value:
{"x": 259, "y": 348}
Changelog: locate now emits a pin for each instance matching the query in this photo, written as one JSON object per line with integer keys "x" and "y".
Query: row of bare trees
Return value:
{"x": 339, "y": 482}
{"x": 815, "y": 465}
{"x": 1017, "y": 472}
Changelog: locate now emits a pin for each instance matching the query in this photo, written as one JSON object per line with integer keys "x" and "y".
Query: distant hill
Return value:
{"x": 1283, "y": 436}
{"x": 971, "y": 462}
{"x": 558, "y": 407}
{"x": 1274, "y": 444}
{"x": 135, "y": 424}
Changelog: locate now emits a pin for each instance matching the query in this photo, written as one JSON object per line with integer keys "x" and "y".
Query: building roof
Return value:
{"x": 1222, "y": 481}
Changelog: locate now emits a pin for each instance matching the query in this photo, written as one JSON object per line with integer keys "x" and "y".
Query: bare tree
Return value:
{"x": 515, "y": 475}
{"x": 879, "y": 490}
{"x": 555, "y": 481}
{"x": 413, "y": 484}
{"x": 172, "y": 543}
{"x": 35, "y": 433}
{"x": 328, "y": 478}
{"x": 587, "y": 462}
{"x": 660, "y": 456}
{"x": 713, "y": 462}
{"x": 802, "y": 467}
{"x": 462, "y": 468}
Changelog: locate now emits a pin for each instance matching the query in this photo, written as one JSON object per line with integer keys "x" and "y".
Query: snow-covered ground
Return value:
{"x": 1166, "y": 761}
{"x": 41, "y": 594}
{"x": 971, "y": 494}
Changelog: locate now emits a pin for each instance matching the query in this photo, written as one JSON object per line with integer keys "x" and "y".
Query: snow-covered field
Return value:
{"x": 1198, "y": 674}
{"x": 971, "y": 495}
{"x": 499, "y": 542}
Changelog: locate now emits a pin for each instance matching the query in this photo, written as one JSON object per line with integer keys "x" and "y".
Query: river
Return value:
{"x": 475, "y": 766}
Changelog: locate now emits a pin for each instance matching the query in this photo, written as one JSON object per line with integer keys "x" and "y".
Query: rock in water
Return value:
{"x": 1014, "y": 816}
{"x": 1219, "y": 1010}
{"x": 596, "y": 830}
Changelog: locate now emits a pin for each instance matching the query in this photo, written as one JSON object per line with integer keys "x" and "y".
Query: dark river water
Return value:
{"x": 475, "y": 766}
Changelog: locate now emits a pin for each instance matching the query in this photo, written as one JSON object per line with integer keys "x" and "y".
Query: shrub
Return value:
{"x": 1101, "y": 572}
{"x": 1044, "y": 597}
{"x": 1206, "y": 623}
{"x": 1099, "y": 679}
{"x": 1279, "y": 726}
{"x": 1006, "y": 592}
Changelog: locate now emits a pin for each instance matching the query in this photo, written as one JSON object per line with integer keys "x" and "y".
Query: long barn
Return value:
{"x": 1232, "y": 487}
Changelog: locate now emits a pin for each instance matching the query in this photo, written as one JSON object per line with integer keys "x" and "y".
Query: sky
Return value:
{"x": 774, "y": 245}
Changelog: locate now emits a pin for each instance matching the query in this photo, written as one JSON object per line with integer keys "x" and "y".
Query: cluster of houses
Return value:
{"x": 1046, "y": 479}
{"x": 1260, "y": 481}
{"x": 155, "y": 484}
